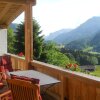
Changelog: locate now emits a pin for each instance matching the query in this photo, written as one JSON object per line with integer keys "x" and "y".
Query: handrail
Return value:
{"x": 64, "y": 71}
{"x": 73, "y": 84}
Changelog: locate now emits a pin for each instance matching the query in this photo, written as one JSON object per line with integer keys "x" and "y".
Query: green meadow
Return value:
{"x": 96, "y": 72}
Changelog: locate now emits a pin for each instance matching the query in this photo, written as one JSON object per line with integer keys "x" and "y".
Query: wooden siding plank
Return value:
{"x": 14, "y": 15}
{"x": 97, "y": 93}
{"x": 84, "y": 91}
{"x": 92, "y": 92}
{"x": 4, "y": 11}
{"x": 74, "y": 89}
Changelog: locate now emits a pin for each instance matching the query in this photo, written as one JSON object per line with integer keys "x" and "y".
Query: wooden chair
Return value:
{"x": 5, "y": 93}
{"x": 23, "y": 90}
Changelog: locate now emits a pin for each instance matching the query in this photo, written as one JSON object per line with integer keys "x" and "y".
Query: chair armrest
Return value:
{"x": 5, "y": 95}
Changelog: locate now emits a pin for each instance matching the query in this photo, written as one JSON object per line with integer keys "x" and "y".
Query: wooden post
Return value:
{"x": 28, "y": 34}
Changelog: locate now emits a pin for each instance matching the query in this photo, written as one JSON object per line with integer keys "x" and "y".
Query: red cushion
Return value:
{"x": 4, "y": 72}
{"x": 2, "y": 69}
{"x": 1, "y": 85}
{"x": 33, "y": 80}
{"x": 6, "y": 59}
{"x": 6, "y": 62}
{"x": 15, "y": 76}
{"x": 8, "y": 67}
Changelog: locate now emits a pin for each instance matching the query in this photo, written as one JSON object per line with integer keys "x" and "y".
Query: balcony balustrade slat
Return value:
{"x": 92, "y": 93}
{"x": 98, "y": 93}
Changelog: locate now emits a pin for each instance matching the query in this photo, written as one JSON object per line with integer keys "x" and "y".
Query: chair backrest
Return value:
{"x": 23, "y": 90}
{"x": 6, "y": 62}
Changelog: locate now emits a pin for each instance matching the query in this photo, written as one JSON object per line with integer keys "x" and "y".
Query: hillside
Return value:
{"x": 78, "y": 44}
{"x": 53, "y": 35}
{"x": 86, "y": 44}
{"x": 13, "y": 26}
{"x": 87, "y": 29}
{"x": 95, "y": 42}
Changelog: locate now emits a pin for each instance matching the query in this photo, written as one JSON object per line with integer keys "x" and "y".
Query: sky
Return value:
{"x": 53, "y": 15}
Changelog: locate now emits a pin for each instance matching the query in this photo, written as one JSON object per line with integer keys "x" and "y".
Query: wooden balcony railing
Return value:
{"x": 73, "y": 86}
{"x": 17, "y": 62}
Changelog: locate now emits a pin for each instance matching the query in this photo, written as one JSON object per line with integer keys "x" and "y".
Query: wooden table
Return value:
{"x": 44, "y": 79}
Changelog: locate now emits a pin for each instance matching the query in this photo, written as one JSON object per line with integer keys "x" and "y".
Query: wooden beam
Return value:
{"x": 28, "y": 34}
{"x": 3, "y": 26}
{"x": 15, "y": 15}
{"x": 18, "y": 1}
{"x": 4, "y": 11}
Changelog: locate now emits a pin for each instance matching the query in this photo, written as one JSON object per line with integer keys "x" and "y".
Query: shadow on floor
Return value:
{"x": 47, "y": 97}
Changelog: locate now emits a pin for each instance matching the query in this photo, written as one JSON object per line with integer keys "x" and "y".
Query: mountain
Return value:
{"x": 53, "y": 35}
{"x": 95, "y": 42}
{"x": 86, "y": 30}
{"x": 13, "y": 26}
{"x": 86, "y": 44}
{"x": 78, "y": 44}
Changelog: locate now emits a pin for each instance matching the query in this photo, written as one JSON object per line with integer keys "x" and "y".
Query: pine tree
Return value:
{"x": 37, "y": 39}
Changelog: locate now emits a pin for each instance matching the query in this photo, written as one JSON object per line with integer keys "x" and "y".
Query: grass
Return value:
{"x": 88, "y": 49}
{"x": 94, "y": 52}
{"x": 96, "y": 72}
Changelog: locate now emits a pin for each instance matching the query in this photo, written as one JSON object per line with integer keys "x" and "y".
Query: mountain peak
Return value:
{"x": 53, "y": 35}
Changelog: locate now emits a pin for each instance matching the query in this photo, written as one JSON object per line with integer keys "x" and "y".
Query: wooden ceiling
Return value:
{"x": 11, "y": 9}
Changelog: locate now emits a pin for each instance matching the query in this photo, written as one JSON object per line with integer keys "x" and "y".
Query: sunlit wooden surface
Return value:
{"x": 11, "y": 9}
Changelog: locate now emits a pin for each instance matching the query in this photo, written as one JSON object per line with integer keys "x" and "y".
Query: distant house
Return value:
{"x": 88, "y": 67}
